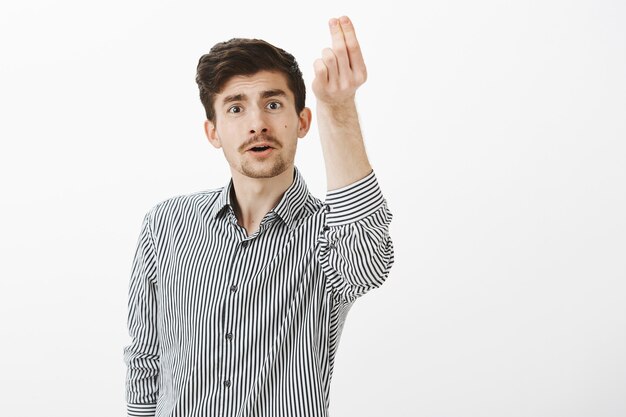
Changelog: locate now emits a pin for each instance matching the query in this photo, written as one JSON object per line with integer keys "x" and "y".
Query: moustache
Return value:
{"x": 264, "y": 138}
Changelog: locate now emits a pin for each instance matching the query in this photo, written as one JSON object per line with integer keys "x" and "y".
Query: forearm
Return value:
{"x": 342, "y": 144}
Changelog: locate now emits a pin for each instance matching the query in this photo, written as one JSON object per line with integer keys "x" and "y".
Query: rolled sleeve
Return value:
{"x": 142, "y": 354}
{"x": 356, "y": 250}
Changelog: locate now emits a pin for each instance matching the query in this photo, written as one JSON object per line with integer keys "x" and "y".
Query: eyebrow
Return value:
{"x": 277, "y": 92}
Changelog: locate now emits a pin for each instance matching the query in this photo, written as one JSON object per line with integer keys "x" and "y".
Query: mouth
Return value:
{"x": 260, "y": 148}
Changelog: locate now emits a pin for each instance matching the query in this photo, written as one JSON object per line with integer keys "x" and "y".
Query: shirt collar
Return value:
{"x": 287, "y": 208}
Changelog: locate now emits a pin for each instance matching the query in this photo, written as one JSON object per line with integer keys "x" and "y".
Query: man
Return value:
{"x": 238, "y": 295}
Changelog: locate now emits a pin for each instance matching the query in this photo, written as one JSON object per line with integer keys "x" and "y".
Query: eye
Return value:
{"x": 234, "y": 109}
{"x": 274, "y": 105}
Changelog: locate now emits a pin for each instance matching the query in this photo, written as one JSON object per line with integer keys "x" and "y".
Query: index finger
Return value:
{"x": 352, "y": 44}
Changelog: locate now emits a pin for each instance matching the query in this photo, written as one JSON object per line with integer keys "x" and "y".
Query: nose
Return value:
{"x": 257, "y": 122}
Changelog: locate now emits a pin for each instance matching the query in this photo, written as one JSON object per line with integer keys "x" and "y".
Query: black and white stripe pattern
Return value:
{"x": 230, "y": 325}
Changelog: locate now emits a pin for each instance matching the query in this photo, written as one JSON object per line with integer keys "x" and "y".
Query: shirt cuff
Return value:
{"x": 353, "y": 202}
{"x": 141, "y": 410}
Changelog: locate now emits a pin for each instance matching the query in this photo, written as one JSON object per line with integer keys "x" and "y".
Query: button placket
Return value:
{"x": 229, "y": 308}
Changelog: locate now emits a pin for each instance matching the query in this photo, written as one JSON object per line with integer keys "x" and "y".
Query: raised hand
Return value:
{"x": 341, "y": 70}
{"x": 338, "y": 74}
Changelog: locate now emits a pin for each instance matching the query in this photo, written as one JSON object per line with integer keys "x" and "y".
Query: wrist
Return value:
{"x": 339, "y": 111}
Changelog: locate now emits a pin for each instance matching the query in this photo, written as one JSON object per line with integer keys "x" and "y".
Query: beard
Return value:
{"x": 264, "y": 169}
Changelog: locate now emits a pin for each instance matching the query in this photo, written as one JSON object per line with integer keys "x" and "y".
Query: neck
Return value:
{"x": 255, "y": 197}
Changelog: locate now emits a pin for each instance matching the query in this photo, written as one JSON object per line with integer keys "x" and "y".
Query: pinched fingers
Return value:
{"x": 353, "y": 49}
{"x": 339, "y": 46}
{"x": 341, "y": 70}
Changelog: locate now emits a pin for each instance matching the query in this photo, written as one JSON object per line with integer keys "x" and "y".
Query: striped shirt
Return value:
{"x": 230, "y": 325}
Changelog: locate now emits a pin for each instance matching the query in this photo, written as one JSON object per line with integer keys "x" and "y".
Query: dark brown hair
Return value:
{"x": 240, "y": 56}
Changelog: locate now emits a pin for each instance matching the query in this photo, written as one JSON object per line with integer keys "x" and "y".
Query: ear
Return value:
{"x": 211, "y": 133}
{"x": 304, "y": 122}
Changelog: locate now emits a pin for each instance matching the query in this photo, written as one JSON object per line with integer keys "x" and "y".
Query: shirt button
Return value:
{"x": 244, "y": 244}
{"x": 326, "y": 228}
{"x": 233, "y": 288}
{"x": 227, "y": 383}
{"x": 327, "y": 207}
{"x": 229, "y": 336}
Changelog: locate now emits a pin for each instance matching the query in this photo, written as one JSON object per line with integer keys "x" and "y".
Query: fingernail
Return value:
{"x": 333, "y": 22}
{"x": 344, "y": 20}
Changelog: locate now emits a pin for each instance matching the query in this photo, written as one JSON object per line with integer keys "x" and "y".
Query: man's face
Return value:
{"x": 256, "y": 124}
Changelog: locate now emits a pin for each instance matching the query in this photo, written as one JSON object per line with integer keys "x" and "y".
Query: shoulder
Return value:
{"x": 184, "y": 203}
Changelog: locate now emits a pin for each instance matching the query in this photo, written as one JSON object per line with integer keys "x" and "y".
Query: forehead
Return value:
{"x": 253, "y": 85}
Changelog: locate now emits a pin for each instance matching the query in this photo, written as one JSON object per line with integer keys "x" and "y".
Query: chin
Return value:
{"x": 263, "y": 171}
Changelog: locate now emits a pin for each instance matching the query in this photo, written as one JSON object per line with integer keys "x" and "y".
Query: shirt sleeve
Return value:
{"x": 356, "y": 250}
{"x": 142, "y": 354}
